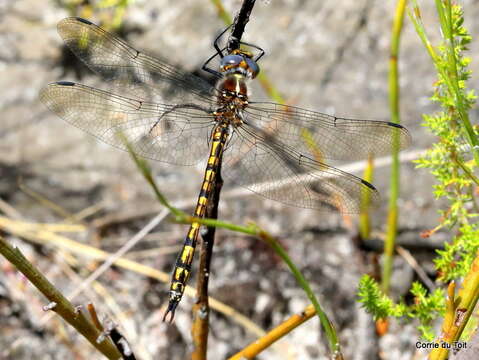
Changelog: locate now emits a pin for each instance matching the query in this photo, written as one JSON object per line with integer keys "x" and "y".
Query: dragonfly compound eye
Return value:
{"x": 239, "y": 64}
{"x": 230, "y": 62}
{"x": 253, "y": 68}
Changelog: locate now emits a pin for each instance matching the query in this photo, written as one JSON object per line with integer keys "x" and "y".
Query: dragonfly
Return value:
{"x": 170, "y": 115}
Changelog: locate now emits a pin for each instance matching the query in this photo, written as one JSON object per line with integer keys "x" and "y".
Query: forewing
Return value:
{"x": 322, "y": 136}
{"x": 172, "y": 134}
{"x": 131, "y": 70}
{"x": 256, "y": 160}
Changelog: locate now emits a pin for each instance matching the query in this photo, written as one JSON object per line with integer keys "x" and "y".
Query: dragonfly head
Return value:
{"x": 239, "y": 63}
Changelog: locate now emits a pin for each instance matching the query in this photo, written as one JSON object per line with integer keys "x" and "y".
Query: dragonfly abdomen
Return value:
{"x": 182, "y": 270}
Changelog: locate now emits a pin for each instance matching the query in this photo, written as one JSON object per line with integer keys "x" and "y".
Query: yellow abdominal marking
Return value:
{"x": 177, "y": 286}
{"x": 194, "y": 226}
{"x": 208, "y": 176}
{"x": 187, "y": 254}
{"x": 182, "y": 271}
{"x": 213, "y": 149}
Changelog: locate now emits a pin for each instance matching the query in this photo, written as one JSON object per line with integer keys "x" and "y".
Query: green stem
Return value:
{"x": 252, "y": 230}
{"x": 60, "y": 304}
{"x": 222, "y": 13}
{"x": 394, "y": 184}
{"x": 325, "y": 322}
{"x": 466, "y": 171}
{"x": 444, "y": 10}
{"x": 364, "y": 218}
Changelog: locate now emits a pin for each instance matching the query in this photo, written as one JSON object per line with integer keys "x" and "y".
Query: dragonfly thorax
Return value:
{"x": 232, "y": 98}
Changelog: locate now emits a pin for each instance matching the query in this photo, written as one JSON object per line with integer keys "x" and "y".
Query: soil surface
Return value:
{"x": 326, "y": 56}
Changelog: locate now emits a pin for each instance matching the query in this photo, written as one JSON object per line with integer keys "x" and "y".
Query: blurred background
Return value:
{"x": 326, "y": 56}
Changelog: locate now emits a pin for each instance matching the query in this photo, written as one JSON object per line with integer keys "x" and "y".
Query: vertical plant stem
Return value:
{"x": 239, "y": 25}
{"x": 444, "y": 10}
{"x": 364, "y": 218}
{"x": 222, "y": 13}
{"x": 394, "y": 107}
{"x": 460, "y": 309}
{"x": 201, "y": 309}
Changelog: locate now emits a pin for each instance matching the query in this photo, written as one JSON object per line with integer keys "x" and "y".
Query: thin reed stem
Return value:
{"x": 395, "y": 118}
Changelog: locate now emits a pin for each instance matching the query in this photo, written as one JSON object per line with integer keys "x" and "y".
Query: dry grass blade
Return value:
{"x": 275, "y": 334}
{"x": 48, "y": 238}
{"x": 9, "y": 210}
{"x": 415, "y": 265}
{"x": 58, "y": 303}
{"x": 124, "y": 249}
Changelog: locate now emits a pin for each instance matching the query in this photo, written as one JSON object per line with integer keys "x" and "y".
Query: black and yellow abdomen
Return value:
{"x": 182, "y": 269}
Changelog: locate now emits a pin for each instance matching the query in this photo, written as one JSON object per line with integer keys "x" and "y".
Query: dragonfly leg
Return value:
{"x": 219, "y": 52}
{"x": 217, "y": 40}
{"x": 261, "y": 51}
{"x": 208, "y": 69}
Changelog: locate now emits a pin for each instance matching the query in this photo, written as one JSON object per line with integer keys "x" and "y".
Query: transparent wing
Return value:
{"x": 323, "y": 136}
{"x": 255, "y": 160}
{"x": 129, "y": 69}
{"x": 168, "y": 133}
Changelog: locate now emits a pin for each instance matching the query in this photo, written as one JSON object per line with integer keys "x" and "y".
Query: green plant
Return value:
{"x": 449, "y": 158}
{"x": 426, "y": 307}
{"x": 453, "y": 160}
{"x": 111, "y": 12}
{"x": 392, "y": 219}
{"x": 252, "y": 230}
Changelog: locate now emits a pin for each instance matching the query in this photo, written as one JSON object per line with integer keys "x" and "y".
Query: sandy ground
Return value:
{"x": 326, "y": 56}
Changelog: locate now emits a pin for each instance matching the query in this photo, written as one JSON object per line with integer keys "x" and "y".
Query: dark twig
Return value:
{"x": 201, "y": 308}
{"x": 239, "y": 24}
{"x": 112, "y": 332}
{"x": 120, "y": 342}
